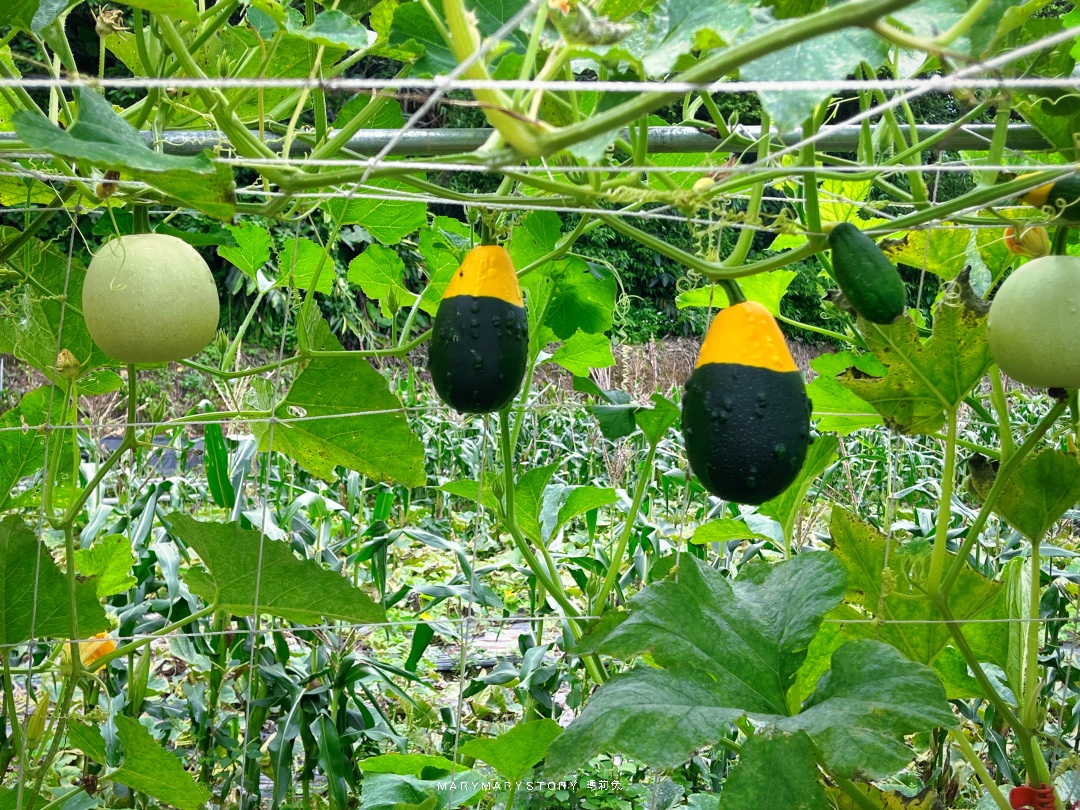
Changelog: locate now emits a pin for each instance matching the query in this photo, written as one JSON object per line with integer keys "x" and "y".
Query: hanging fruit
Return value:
{"x": 746, "y": 415}
{"x": 480, "y": 338}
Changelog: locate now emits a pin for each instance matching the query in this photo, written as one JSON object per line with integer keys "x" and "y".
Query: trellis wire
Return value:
{"x": 963, "y": 79}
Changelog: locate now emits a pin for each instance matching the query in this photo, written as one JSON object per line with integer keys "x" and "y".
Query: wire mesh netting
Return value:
{"x": 283, "y": 571}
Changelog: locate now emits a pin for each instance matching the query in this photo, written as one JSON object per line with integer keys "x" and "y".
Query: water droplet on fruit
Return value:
{"x": 780, "y": 450}
{"x": 479, "y": 364}
{"x": 751, "y": 482}
{"x": 727, "y": 403}
{"x": 475, "y": 306}
{"x": 475, "y": 322}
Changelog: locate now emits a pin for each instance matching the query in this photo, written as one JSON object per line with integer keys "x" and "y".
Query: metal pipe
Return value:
{"x": 435, "y": 142}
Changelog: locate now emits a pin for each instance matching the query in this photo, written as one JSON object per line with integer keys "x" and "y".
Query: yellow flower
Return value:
{"x": 89, "y": 651}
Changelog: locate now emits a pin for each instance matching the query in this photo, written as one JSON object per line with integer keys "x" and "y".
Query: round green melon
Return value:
{"x": 149, "y": 298}
{"x": 1034, "y": 323}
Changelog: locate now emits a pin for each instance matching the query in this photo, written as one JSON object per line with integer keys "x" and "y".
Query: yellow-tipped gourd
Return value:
{"x": 746, "y": 416}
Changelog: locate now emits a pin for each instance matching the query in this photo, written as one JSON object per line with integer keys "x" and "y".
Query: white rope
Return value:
{"x": 957, "y": 81}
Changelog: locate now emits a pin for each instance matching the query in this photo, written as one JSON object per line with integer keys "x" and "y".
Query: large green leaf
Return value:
{"x": 1037, "y": 495}
{"x": 513, "y": 753}
{"x": 389, "y": 219}
{"x": 442, "y": 246}
{"x": 22, "y": 447}
{"x": 829, "y": 57}
{"x": 332, "y": 29}
{"x": 725, "y": 530}
{"x": 941, "y": 251}
{"x": 535, "y": 236}
{"x": 181, "y": 9}
{"x": 564, "y": 503}
{"x": 836, "y": 409}
{"x": 775, "y": 770}
{"x": 581, "y": 352}
{"x": 103, "y": 139}
{"x": 925, "y": 377}
{"x": 35, "y": 321}
{"x": 912, "y": 623}
{"x": 582, "y": 297}
{"x": 34, "y": 593}
{"x": 414, "y": 32}
{"x": 348, "y": 418}
{"x": 388, "y": 791}
{"x": 146, "y": 767}
{"x": 380, "y": 272}
{"x": 677, "y": 28}
{"x": 865, "y": 705}
{"x": 245, "y": 569}
{"x": 765, "y": 288}
{"x": 109, "y": 561}
{"x": 251, "y": 249}
{"x": 299, "y": 260}
{"x": 720, "y": 650}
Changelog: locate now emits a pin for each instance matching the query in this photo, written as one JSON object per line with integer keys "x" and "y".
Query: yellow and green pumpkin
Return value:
{"x": 746, "y": 415}
{"x": 480, "y": 338}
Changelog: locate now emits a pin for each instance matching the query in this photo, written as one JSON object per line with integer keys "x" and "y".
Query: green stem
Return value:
{"x": 242, "y": 140}
{"x": 206, "y": 768}
{"x": 543, "y": 575}
{"x": 808, "y": 159}
{"x": 630, "y": 521}
{"x": 464, "y": 42}
{"x": 234, "y": 346}
{"x": 1008, "y": 467}
{"x": 513, "y": 792}
{"x": 1023, "y": 734}
{"x": 712, "y": 270}
{"x": 12, "y": 711}
{"x": 1061, "y": 241}
{"x": 728, "y": 60}
{"x": 976, "y": 763}
{"x": 840, "y": 338}
{"x": 989, "y": 452}
{"x": 1029, "y": 701}
{"x": 996, "y": 153}
{"x": 1001, "y": 410}
{"x": 399, "y": 351}
{"x": 938, "y": 557}
{"x": 753, "y": 207}
{"x": 63, "y": 712}
{"x": 963, "y": 25}
{"x": 340, "y": 138}
{"x": 247, "y": 372}
{"x": 979, "y": 197}
{"x": 545, "y": 580}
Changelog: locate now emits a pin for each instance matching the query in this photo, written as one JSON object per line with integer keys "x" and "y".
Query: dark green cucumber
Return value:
{"x": 869, "y": 281}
